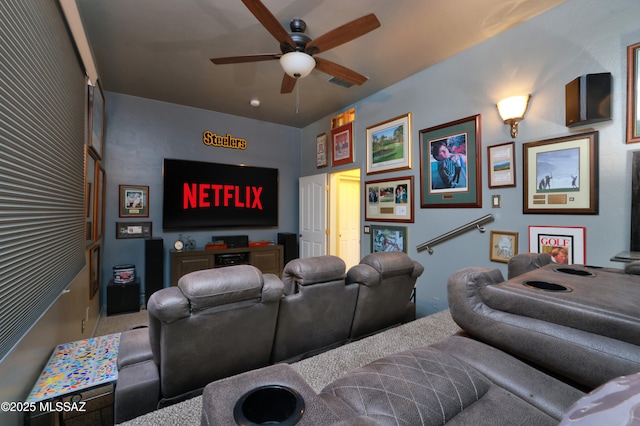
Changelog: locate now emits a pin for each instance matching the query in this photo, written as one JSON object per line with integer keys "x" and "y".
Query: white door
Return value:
{"x": 348, "y": 217}
{"x": 313, "y": 215}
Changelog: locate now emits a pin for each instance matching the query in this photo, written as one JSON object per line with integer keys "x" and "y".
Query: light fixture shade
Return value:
{"x": 297, "y": 64}
{"x": 513, "y": 108}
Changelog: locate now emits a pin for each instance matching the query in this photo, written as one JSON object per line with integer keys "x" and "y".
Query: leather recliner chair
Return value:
{"x": 386, "y": 281}
{"x": 197, "y": 334}
{"x": 317, "y": 309}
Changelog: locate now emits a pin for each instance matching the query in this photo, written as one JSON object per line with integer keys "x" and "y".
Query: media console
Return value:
{"x": 269, "y": 259}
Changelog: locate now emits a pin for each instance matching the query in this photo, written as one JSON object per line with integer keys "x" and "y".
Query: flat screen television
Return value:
{"x": 201, "y": 195}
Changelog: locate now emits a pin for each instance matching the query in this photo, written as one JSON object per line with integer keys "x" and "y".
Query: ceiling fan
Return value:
{"x": 297, "y": 48}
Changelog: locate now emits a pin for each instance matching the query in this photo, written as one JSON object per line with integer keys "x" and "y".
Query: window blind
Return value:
{"x": 42, "y": 113}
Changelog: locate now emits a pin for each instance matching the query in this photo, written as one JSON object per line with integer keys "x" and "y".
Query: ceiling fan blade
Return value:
{"x": 246, "y": 58}
{"x": 343, "y": 34}
{"x": 288, "y": 83}
{"x": 269, "y": 22}
{"x": 339, "y": 71}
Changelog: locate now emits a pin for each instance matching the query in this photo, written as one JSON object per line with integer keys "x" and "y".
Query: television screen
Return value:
{"x": 200, "y": 195}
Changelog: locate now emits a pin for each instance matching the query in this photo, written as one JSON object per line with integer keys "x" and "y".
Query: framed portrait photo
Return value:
{"x": 321, "y": 150}
{"x": 565, "y": 245}
{"x": 633, "y": 93}
{"x": 561, "y": 175}
{"x": 134, "y": 201}
{"x": 504, "y": 245}
{"x": 342, "y": 145}
{"x": 389, "y": 145}
{"x": 388, "y": 238}
{"x": 450, "y": 164}
{"x": 501, "y": 165}
{"x": 389, "y": 200}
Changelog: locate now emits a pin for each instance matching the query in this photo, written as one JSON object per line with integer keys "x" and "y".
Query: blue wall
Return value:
{"x": 538, "y": 57}
{"x": 140, "y": 133}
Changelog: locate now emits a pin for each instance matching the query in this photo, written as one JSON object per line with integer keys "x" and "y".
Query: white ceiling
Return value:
{"x": 160, "y": 49}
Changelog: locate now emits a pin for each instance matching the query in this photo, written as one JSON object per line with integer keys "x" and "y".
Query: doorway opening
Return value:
{"x": 344, "y": 216}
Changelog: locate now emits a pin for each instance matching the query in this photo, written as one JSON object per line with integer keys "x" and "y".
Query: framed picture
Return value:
{"x": 501, "y": 165}
{"x": 94, "y": 270}
{"x": 96, "y": 123}
{"x": 389, "y": 200}
{"x": 564, "y": 244}
{"x": 389, "y": 145}
{"x": 504, "y": 245}
{"x": 633, "y": 93}
{"x": 101, "y": 191}
{"x": 321, "y": 150}
{"x": 388, "y": 238}
{"x": 90, "y": 165}
{"x": 134, "y": 201}
{"x": 133, "y": 229}
{"x": 342, "y": 145}
{"x": 561, "y": 175}
{"x": 450, "y": 164}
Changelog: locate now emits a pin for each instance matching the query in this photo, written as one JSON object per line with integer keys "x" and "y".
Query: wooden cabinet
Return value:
{"x": 269, "y": 259}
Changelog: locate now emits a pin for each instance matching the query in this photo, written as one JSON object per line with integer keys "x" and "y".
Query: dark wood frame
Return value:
{"x": 335, "y": 133}
{"x": 473, "y": 196}
{"x": 491, "y": 150}
{"x": 405, "y": 162}
{"x": 94, "y": 270}
{"x": 123, "y": 230}
{"x": 633, "y": 93}
{"x": 401, "y": 229}
{"x": 584, "y": 196}
{"x": 96, "y": 115}
{"x": 322, "y": 150}
{"x": 388, "y": 211}
{"x": 141, "y": 212}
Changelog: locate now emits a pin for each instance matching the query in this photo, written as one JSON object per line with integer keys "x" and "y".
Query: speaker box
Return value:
{"x": 588, "y": 99}
{"x": 153, "y": 266}
{"x": 233, "y": 241}
{"x": 289, "y": 242}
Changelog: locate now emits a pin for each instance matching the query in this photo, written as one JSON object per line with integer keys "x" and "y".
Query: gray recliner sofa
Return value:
{"x": 316, "y": 311}
{"x": 386, "y": 280}
{"x": 214, "y": 324}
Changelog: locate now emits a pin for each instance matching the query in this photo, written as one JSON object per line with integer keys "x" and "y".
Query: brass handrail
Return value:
{"x": 464, "y": 228}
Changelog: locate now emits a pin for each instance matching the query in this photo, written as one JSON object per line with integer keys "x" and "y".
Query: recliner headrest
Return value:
{"x": 313, "y": 270}
{"x": 219, "y": 286}
{"x": 389, "y": 263}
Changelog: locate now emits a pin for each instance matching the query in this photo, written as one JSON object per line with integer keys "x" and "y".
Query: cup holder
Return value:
{"x": 571, "y": 271}
{"x": 269, "y": 405}
{"x": 546, "y": 286}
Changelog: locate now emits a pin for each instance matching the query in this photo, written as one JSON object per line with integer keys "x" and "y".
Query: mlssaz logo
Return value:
{"x": 226, "y": 141}
{"x": 205, "y": 195}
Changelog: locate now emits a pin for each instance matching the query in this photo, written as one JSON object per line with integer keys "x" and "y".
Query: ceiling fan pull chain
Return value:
{"x": 298, "y": 96}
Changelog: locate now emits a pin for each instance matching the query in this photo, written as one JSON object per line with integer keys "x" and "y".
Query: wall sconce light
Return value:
{"x": 512, "y": 111}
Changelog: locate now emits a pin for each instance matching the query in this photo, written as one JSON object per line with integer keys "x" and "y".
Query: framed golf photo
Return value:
{"x": 389, "y": 145}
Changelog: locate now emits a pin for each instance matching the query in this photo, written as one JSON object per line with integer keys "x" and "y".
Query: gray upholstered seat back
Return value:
{"x": 317, "y": 311}
{"x": 525, "y": 262}
{"x": 386, "y": 282}
{"x": 216, "y": 323}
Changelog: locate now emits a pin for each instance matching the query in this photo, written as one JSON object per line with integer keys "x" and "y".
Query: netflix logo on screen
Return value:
{"x": 200, "y": 195}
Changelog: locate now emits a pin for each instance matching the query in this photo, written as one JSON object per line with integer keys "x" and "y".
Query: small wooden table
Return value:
{"x": 73, "y": 367}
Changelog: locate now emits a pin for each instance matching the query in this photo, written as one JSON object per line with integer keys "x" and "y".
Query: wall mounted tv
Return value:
{"x": 200, "y": 195}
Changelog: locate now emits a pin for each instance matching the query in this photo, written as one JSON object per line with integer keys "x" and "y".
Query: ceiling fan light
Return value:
{"x": 297, "y": 64}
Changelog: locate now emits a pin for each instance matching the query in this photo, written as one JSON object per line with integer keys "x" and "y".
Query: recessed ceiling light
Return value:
{"x": 255, "y": 102}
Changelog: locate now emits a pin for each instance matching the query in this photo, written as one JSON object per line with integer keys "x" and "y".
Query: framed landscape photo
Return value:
{"x": 389, "y": 200}
{"x": 389, "y": 145}
{"x": 342, "y": 145}
{"x": 561, "y": 175}
{"x": 504, "y": 245}
{"x": 633, "y": 93}
{"x": 565, "y": 245}
{"x": 134, "y": 201}
{"x": 501, "y": 165}
{"x": 388, "y": 238}
{"x": 450, "y": 164}
{"x": 321, "y": 150}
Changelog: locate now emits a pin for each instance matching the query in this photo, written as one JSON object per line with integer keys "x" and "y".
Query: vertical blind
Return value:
{"x": 42, "y": 113}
